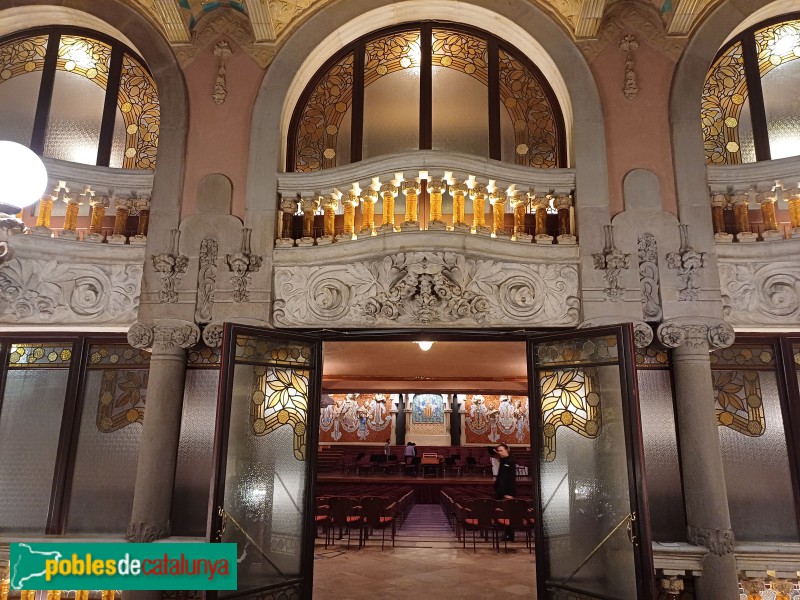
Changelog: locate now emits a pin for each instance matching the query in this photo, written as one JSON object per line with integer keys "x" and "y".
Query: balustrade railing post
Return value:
{"x": 520, "y": 203}
{"x": 288, "y": 209}
{"x": 771, "y": 229}
{"x": 718, "y": 204}
{"x": 99, "y": 205}
{"x": 563, "y": 204}
{"x": 46, "y": 209}
{"x": 368, "y": 199}
{"x": 478, "y": 195}
{"x": 329, "y": 206}
{"x": 498, "y": 201}
{"x": 411, "y": 189}
{"x": 388, "y": 194}
{"x": 741, "y": 208}
{"x": 459, "y": 193}
{"x": 435, "y": 188}
{"x": 540, "y": 205}
{"x": 123, "y": 206}
{"x": 142, "y": 206}
{"x": 350, "y": 201}
{"x": 74, "y": 203}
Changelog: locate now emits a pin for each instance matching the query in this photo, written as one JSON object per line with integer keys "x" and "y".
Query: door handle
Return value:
{"x": 631, "y": 537}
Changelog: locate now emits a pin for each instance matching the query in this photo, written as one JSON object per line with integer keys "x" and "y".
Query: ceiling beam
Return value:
{"x": 260, "y": 20}
{"x": 589, "y": 18}
{"x": 169, "y": 13}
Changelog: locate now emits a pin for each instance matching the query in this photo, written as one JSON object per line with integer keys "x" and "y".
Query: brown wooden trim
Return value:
{"x": 790, "y": 410}
{"x": 110, "y": 107}
{"x": 357, "y": 121}
{"x": 755, "y": 94}
{"x": 45, "y": 94}
{"x": 493, "y": 89}
{"x": 425, "y": 87}
{"x": 4, "y": 351}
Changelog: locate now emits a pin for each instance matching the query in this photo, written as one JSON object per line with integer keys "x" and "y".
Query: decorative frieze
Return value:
{"x": 688, "y": 262}
{"x": 241, "y": 264}
{"x": 206, "y": 280}
{"x": 170, "y": 264}
{"x": 696, "y": 334}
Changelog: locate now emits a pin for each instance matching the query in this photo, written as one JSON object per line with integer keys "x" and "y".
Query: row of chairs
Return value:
{"x": 486, "y": 516}
{"x": 365, "y": 514}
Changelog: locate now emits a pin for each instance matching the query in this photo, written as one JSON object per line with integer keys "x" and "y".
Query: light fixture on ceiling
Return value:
{"x": 424, "y": 346}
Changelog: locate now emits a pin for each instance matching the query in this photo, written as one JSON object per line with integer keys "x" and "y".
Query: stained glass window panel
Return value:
{"x": 395, "y": 94}
{"x": 118, "y": 142}
{"x": 138, "y": 101}
{"x": 781, "y": 88}
{"x": 16, "y": 117}
{"x": 76, "y": 113}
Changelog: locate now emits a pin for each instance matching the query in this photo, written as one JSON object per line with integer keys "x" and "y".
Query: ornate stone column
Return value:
{"x": 718, "y": 204}
{"x": 540, "y": 204}
{"x": 309, "y": 207}
{"x": 120, "y": 222}
{"x": 478, "y": 195}
{"x": 771, "y": 228}
{"x": 411, "y": 189}
{"x": 368, "y": 198}
{"x": 563, "y": 205}
{"x": 350, "y": 201}
{"x": 707, "y": 515}
{"x": 741, "y": 206}
{"x": 498, "y": 202}
{"x": 462, "y": 414}
{"x": 329, "y": 206}
{"x": 158, "y": 453}
{"x": 288, "y": 208}
{"x": 794, "y": 208}
{"x": 99, "y": 206}
{"x": 435, "y": 188}
{"x": 142, "y": 206}
{"x": 520, "y": 202}
{"x": 459, "y": 193}
{"x": 388, "y": 194}
{"x": 46, "y": 210}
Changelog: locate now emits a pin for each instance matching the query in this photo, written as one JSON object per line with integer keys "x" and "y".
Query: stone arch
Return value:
{"x": 336, "y": 24}
{"x": 116, "y": 18}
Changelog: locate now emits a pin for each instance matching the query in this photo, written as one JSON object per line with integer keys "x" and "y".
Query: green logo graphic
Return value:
{"x": 120, "y": 566}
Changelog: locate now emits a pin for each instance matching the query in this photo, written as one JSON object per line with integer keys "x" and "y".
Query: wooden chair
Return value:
{"x": 514, "y": 515}
{"x": 377, "y": 513}
{"x": 322, "y": 517}
{"x": 345, "y": 513}
{"x": 479, "y": 515}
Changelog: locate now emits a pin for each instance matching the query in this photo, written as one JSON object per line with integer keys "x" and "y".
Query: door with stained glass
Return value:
{"x": 264, "y": 449}
{"x": 592, "y": 527}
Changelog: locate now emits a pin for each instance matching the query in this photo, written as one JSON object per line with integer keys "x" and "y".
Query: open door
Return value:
{"x": 264, "y": 448}
{"x": 592, "y": 526}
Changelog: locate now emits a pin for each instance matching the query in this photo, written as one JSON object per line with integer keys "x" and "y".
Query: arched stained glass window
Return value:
{"x": 750, "y": 107}
{"x": 436, "y": 86}
{"x": 78, "y": 96}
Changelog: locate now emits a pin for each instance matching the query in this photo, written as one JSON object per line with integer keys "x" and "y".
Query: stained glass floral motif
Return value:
{"x": 39, "y": 355}
{"x": 116, "y": 355}
{"x": 141, "y": 112}
{"x": 280, "y": 397}
{"x": 86, "y": 57}
{"x": 739, "y": 402}
{"x": 535, "y": 130}
{"x": 580, "y": 350}
{"x": 724, "y": 93}
{"x": 123, "y": 393}
{"x": 204, "y": 357}
{"x": 570, "y": 398}
{"x": 777, "y": 44}
{"x": 757, "y": 355}
{"x": 651, "y": 358}
{"x": 272, "y": 352}
{"x": 462, "y": 52}
{"x": 318, "y": 125}
{"x": 22, "y": 56}
{"x": 391, "y": 53}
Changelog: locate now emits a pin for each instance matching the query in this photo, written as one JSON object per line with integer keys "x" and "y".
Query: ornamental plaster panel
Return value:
{"x": 454, "y": 288}
{"x": 52, "y": 282}
{"x": 761, "y": 284}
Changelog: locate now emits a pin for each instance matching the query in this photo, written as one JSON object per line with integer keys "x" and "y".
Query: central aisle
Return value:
{"x": 426, "y": 527}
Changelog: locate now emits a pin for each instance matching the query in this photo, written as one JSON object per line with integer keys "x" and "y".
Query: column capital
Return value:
{"x": 350, "y": 198}
{"x": 459, "y": 188}
{"x": 497, "y": 196}
{"x": 165, "y": 335}
{"x": 520, "y": 198}
{"x": 389, "y": 188}
{"x": 642, "y": 332}
{"x": 699, "y": 335}
{"x": 310, "y": 204}
{"x": 369, "y": 195}
{"x": 141, "y": 203}
{"x": 478, "y": 190}
{"x": 411, "y": 185}
{"x": 718, "y": 541}
{"x": 99, "y": 201}
{"x": 330, "y": 202}
{"x": 719, "y": 200}
{"x": 289, "y": 205}
{"x": 123, "y": 203}
{"x": 436, "y": 186}
{"x": 562, "y": 202}
{"x": 540, "y": 201}
{"x": 147, "y": 532}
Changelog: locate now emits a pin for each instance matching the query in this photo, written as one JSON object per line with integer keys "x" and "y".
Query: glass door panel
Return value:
{"x": 269, "y": 393}
{"x": 592, "y": 537}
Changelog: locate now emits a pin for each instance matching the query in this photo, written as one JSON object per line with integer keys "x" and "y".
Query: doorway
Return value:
{"x": 590, "y": 523}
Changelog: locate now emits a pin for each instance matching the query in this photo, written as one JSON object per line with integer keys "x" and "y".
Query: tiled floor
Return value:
{"x": 421, "y": 569}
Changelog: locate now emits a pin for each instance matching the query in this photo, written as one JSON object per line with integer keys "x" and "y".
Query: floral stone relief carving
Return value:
{"x": 760, "y": 293}
{"x": 427, "y": 288}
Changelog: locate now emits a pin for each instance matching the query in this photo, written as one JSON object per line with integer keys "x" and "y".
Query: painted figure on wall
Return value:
{"x": 354, "y": 417}
{"x": 496, "y": 419}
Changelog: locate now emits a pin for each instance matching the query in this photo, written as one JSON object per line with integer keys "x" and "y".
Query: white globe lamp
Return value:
{"x": 23, "y": 177}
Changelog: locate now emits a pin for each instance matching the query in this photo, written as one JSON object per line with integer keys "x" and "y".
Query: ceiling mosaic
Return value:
{"x": 271, "y": 20}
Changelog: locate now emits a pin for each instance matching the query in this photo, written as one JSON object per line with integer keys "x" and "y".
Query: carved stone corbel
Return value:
{"x": 164, "y": 335}
{"x": 688, "y": 262}
{"x": 170, "y": 264}
{"x": 642, "y": 332}
{"x": 241, "y": 264}
{"x": 628, "y": 45}
{"x": 700, "y": 335}
{"x": 612, "y": 261}
{"x": 717, "y": 541}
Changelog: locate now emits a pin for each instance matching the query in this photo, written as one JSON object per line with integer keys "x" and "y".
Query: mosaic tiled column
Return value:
{"x": 350, "y": 201}
{"x": 498, "y": 201}
{"x": 288, "y": 209}
{"x": 309, "y": 206}
{"x": 478, "y": 195}
{"x": 99, "y": 205}
{"x": 388, "y": 194}
{"x": 540, "y": 205}
{"x": 411, "y": 189}
{"x": 120, "y": 221}
{"x": 741, "y": 207}
{"x": 718, "y": 204}
{"x": 772, "y": 230}
{"x": 142, "y": 206}
{"x": 793, "y": 201}
{"x": 563, "y": 204}
{"x": 329, "y": 206}
{"x": 436, "y": 188}
{"x": 520, "y": 203}
{"x": 368, "y": 199}
{"x": 46, "y": 209}
{"x": 459, "y": 193}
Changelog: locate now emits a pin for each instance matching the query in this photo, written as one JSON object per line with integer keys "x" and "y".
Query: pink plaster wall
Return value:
{"x": 637, "y": 131}
{"x": 219, "y": 135}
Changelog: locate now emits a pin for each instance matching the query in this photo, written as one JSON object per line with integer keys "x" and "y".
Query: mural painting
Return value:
{"x": 494, "y": 419}
{"x": 356, "y": 417}
{"x": 427, "y": 408}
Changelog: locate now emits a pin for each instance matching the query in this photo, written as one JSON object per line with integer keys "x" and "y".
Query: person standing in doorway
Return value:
{"x": 505, "y": 484}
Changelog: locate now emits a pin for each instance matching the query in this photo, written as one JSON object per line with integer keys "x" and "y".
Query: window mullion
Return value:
{"x": 758, "y": 114}
{"x": 425, "y": 88}
{"x": 110, "y": 107}
{"x": 493, "y": 89}
{"x": 357, "y": 120}
{"x": 45, "y": 94}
